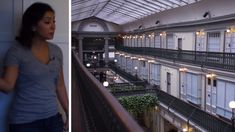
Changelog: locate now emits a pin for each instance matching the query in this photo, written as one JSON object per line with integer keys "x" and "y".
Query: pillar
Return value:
{"x": 106, "y": 51}
{"x": 80, "y": 48}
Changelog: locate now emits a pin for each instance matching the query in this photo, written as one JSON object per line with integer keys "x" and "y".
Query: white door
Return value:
{"x": 180, "y": 44}
{"x": 163, "y": 41}
{"x": 213, "y": 42}
{"x": 211, "y": 95}
{"x": 230, "y": 42}
{"x": 168, "y": 82}
{"x": 183, "y": 86}
{"x": 157, "y": 41}
{"x": 170, "y": 41}
{"x": 200, "y": 42}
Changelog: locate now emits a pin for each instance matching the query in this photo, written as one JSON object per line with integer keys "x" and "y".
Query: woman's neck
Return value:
{"x": 39, "y": 43}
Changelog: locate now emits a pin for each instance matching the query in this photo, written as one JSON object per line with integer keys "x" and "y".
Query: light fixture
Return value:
{"x": 163, "y": 34}
{"x": 95, "y": 57}
{"x": 106, "y": 83}
{"x": 207, "y": 14}
{"x": 232, "y": 104}
{"x": 88, "y": 64}
{"x": 228, "y": 30}
{"x": 183, "y": 69}
{"x": 151, "y": 61}
{"x": 210, "y": 75}
{"x": 115, "y": 60}
{"x": 185, "y": 129}
{"x": 157, "y": 22}
{"x": 156, "y": 107}
{"x": 200, "y": 33}
{"x": 135, "y": 67}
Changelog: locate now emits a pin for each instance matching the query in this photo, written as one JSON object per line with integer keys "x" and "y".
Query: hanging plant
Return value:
{"x": 136, "y": 105}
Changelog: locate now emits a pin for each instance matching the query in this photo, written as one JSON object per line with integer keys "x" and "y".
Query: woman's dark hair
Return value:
{"x": 31, "y": 17}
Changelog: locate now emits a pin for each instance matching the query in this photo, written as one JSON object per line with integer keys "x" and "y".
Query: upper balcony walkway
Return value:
{"x": 215, "y": 60}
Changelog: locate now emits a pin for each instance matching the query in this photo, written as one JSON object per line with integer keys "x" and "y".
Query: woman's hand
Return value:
{"x": 66, "y": 123}
{"x": 8, "y": 81}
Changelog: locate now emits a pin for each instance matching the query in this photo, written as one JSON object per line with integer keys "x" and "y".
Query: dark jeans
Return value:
{"x": 51, "y": 124}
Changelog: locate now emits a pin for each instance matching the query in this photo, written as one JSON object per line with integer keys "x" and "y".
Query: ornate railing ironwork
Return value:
{"x": 194, "y": 114}
{"x": 215, "y": 60}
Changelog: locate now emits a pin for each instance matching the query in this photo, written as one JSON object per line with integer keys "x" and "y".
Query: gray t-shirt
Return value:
{"x": 35, "y": 89}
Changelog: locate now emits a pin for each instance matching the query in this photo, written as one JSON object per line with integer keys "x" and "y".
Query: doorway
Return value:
{"x": 168, "y": 81}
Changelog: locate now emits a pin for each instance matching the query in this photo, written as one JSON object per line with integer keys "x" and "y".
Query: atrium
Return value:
{"x": 180, "y": 51}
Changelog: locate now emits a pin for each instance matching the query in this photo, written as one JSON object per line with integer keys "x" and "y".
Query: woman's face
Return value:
{"x": 46, "y": 26}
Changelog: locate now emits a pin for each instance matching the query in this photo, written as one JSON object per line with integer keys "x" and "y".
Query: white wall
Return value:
{"x": 186, "y": 13}
{"x": 10, "y": 12}
{"x": 174, "y": 80}
{"x": 114, "y": 27}
{"x": 93, "y": 26}
{"x": 111, "y": 26}
{"x": 188, "y": 40}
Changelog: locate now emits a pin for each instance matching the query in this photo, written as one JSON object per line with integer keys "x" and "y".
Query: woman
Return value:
{"x": 33, "y": 68}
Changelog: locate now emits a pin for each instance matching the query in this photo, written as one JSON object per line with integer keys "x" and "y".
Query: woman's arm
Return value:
{"x": 62, "y": 93}
{"x": 7, "y": 82}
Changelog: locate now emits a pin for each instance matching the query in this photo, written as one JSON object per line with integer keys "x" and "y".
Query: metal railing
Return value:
{"x": 194, "y": 114}
{"x": 102, "y": 112}
{"x": 216, "y": 60}
{"x": 132, "y": 79}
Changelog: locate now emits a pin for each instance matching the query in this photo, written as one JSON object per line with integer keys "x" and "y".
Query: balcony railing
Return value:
{"x": 194, "y": 114}
{"x": 133, "y": 79}
{"x": 216, "y": 60}
{"x": 97, "y": 110}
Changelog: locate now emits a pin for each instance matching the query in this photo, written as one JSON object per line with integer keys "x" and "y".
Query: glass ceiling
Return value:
{"x": 122, "y": 11}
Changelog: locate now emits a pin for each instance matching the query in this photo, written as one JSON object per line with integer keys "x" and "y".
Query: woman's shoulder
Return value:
{"x": 16, "y": 47}
{"x": 54, "y": 47}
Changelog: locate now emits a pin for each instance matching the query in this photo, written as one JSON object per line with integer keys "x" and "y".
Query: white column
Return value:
{"x": 80, "y": 48}
{"x": 106, "y": 51}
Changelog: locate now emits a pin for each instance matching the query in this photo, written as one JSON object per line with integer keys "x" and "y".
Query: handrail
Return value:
{"x": 216, "y": 60}
{"x": 104, "y": 111}
{"x": 193, "y": 113}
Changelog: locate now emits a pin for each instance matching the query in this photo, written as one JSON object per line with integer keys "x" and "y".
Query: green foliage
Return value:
{"x": 125, "y": 88}
{"x": 138, "y": 104}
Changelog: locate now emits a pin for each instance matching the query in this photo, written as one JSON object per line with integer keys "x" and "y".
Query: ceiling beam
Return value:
{"x": 148, "y": 5}
{"x": 173, "y": 2}
{"x": 141, "y": 6}
{"x": 123, "y": 13}
{"x": 80, "y": 2}
{"x": 81, "y": 12}
{"x": 132, "y": 8}
{"x": 101, "y": 8}
{"x": 126, "y": 9}
{"x": 167, "y": 5}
